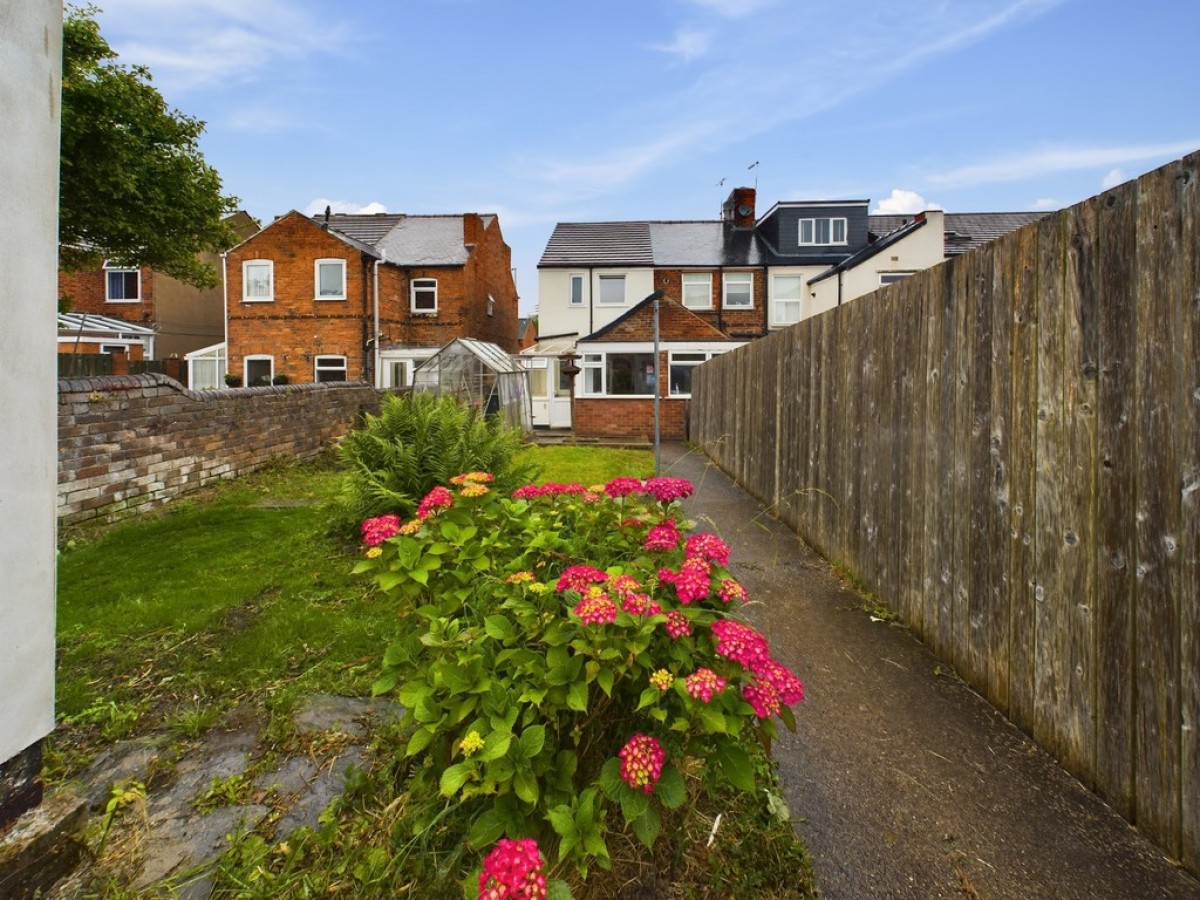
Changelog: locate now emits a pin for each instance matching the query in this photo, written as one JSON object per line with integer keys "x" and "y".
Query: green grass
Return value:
{"x": 241, "y": 597}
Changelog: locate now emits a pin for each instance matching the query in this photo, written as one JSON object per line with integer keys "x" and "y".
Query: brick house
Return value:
{"x": 168, "y": 317}
{"x": 723, "y": 282}
{"x": 365, "y": 297}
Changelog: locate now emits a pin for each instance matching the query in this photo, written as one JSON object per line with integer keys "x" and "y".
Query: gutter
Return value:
{"x": 378, "y": 379}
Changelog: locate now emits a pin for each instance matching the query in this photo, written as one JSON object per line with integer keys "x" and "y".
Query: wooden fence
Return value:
{"x": 1006, "y": 448}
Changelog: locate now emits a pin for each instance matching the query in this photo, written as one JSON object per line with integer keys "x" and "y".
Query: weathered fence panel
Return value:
{"x": 1006, "y": 448}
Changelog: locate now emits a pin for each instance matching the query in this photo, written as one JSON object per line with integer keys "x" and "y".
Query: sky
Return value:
{"x": 546, "y": 111}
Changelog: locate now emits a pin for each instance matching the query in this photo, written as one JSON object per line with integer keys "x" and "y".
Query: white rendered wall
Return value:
{"x": 30, "y": 74}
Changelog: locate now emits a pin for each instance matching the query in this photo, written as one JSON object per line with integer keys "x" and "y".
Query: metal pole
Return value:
{"x": 656, "y": 296}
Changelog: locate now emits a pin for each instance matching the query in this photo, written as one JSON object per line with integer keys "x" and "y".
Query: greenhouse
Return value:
{"x": 481, "y": 375}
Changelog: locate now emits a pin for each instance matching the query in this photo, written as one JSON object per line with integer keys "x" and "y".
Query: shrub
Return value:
{"x": 233, "y": 381}
{"x": 418, "y": 441}
{"x": 575, "y": 668}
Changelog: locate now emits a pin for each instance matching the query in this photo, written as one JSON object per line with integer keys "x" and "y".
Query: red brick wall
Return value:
{"x": 134, "y": 442}
{"x": 736, "y": 323}
{"x": 86, "y": 291}
{"x": 630, "y": 418}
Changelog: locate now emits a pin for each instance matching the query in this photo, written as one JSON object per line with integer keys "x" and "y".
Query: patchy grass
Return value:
{"x": 241, "y": 597}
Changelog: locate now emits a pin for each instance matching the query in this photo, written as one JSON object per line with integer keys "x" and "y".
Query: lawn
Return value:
{"x": 241, "y": 597}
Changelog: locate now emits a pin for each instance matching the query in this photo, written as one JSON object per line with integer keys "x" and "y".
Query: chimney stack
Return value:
{"x": 739, "y": 208}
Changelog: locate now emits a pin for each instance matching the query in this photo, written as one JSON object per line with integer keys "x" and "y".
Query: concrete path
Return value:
{"x": 903, "y": 781}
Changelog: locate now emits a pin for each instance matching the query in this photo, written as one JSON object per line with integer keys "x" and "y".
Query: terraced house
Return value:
{"x": 364, "y": 297}
{"x": 723, "y": 282}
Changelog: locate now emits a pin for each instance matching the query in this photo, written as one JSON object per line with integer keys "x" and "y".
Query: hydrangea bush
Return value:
{"x": 576, "y": 666}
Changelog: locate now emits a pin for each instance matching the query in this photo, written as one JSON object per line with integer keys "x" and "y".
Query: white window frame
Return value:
{"x": 737, "y": 278}
{"x": 491, "y": 305}
{"x": 572, "y": 281}
{"x": 697, "y": 279}
{"x": 590, "y": 362}
{"x": 255, "y": 263}
{"x": 686, "y": 357}
{"x": 776, "y": 301}
{"x": 611, "y": 279}
{"x": 893, "y": 277}
{"x": 256, "y": 357}
{"x": 396, "y": 367}
{"x": 110, "y": 349}
{"x": 325, "y": 357}
{"x": 835, "y": 223}
{"x": 112, "y": 269}
{"x": 317, "y": 264}
{"x": 423, "y": 285}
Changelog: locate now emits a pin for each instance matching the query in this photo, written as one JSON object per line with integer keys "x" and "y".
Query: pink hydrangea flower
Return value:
{"x": 666, "y": 490}
{"x": 703, "y": 684}
{"x": 579, "y": 578}
{"x": 641, "y": 762}
{"x": 379, "y": 529}
{"x": 623, "y": 486}
{"x": 513, "y": 870}
{"x": 677, "y": 624}
{"x": 664, "y": 536}
{"x": 731, "y": 590}
{"x": 436, "y": 500}
{"x": 786, "y": 683}
{"x": 741, "y": 643}
{"x": 640, "y": 604}
{"x": 693, "y": 580}
{"x": 763, "y": 697}
{"x": 662, "y": 679}
{"x": 707, "y": 546}
{"x": 596, "y": 608}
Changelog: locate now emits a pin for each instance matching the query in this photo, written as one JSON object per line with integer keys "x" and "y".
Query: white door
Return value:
{"x": 560, "y": 403}
{"x": 539, "y": 390}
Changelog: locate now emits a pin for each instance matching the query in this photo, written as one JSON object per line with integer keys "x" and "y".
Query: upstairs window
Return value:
{"x": 122, "y": 285}
{"x": 424, "y": 296}
{"x": 331, "y": 279}
{"x": 822, "y": 232}
{"x": 739, "y": 290}
{"x": 576, "y": 296}
{"x": 258, "y": 281}
{"x": 787, "y": 294}
{"x": 612, "y": 289}
{"x": 697, "y": 290}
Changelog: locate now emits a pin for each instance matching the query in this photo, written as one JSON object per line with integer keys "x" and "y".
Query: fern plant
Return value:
{"x": 419, "y": 441}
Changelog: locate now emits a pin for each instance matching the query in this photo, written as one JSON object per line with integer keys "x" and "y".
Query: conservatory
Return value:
{"x": 481, "y": 375}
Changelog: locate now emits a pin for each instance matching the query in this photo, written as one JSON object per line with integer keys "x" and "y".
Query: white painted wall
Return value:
{"x": 30, "y": 74}
{"x": 557, "y": 316}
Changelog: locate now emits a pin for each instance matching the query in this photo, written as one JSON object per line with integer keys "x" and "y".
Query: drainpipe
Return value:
{"x": 721, "y": 302}
{"x": 225, "y": 304}
{"x": 378, "y": 377}
{"x": 365, "y": 321}
{"x": 766, "y": 303}
{"x": 591, "y": 304}
{"x": 839, "y": 287}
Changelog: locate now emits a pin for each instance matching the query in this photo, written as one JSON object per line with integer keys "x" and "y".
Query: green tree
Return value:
{"x": 134, "y": 185}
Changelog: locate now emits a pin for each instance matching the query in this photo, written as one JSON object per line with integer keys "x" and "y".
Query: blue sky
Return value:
{"x": 571, "y": 110}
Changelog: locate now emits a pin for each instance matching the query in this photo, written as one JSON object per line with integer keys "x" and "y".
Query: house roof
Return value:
{"x": 676, "y": 323}
{"x": 964, "y": 231}
{"x": 91, "y": 323}
{"x": 425, "y": 241}
{"x": 871, "y": 249}
{"x": 683, "y": 244}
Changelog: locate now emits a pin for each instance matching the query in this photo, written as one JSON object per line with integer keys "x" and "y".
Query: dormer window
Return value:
{"x": 822, "y": 232}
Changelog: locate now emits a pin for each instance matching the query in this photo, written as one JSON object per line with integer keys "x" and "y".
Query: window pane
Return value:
{"x": 537, "y": 382}
{"x": 806, "y": 231}
{"x": 331, "y": 368}
{"x": 576, "y": 290}
{"x": 697, "y": 291}
{"x": 123, "y": 285}
{"x": 612, "y": 288}
{"x": 738, "y": 289}
{"x": 839, "y": 231}
{"x": 630, "y": 374}
{"x": 258, "y": 280}
{"x": 330, "y": 280}
{"x": 822, "y": 231}
{"x": 788, "y": 287}
{"x": 424, "y": 295}
{"x": 258, "y": 372}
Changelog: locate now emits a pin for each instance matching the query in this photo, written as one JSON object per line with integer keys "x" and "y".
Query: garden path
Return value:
{"x": 903, "y": 782}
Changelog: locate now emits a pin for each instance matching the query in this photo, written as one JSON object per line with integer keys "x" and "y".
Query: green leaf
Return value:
{"x": 412, "y": 693}
{"x": 420, "y": 576}
{"x": 633, "y": 803}
{"x": 525, "y": 786}
{"x": 388, "y": 580}
{"x": 558, "y": 890}
{"x": 562, "y": 821}
{"x": 647, "y": 826}
{"x": 499, "y": 628}
{"x": 363, "y": 565}
{"x": 533, "y": 739}
{"x": 649, "y": 697}
{"x": 577, "y": 696}
{"x": 594, "y": 844}
{"x": 605, "y": 680}
{"x": 454, "y": 778}
{"x": 486, "y": 830}
{"x": 787, "y": 717}
{"x": 384, "y": 684}
{"x": 495, "y": 745}
{"x": 712, "y": 719}
{"x": 736, "y": 766}
{"x": 481, "y": 563}
{"x": 420, "y": 739}
{"x": 671, "y": 790}
{"x": 610, "y": 778}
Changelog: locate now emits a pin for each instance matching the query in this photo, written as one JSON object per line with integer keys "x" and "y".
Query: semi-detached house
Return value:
{"x": 723, "y": 282}
{"x": 364, "y": 297}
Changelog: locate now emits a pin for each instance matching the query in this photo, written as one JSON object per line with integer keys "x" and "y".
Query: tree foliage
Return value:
{"x": 134, "y": 184}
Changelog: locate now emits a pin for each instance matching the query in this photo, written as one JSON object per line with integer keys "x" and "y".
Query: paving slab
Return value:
{"x": 903, "y": 781}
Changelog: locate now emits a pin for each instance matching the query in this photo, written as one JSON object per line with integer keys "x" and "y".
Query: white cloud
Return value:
{"x": 687, "y": 46}
{"x": 1046, "y": 203}
{"x": 1061, "y": 159}
{"x": 317, "y": 206}
{"x": 1113, "y": 178}
{"x": 903, "y": 202}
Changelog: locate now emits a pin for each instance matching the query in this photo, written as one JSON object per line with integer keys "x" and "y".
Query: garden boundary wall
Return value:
{"x": 136, "y": 441}
{"x": 1006, "y": 449}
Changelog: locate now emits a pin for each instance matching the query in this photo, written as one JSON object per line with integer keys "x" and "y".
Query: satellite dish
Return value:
{"x": 744, "y": 210}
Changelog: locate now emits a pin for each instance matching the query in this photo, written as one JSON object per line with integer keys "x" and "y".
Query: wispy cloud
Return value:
{"x": 1058, "y": 159}
{"x": 687, "y": 46}
{"x": 350, "y": 207}
{"x": 902, "y": 202}
{"x": 204, "y": 43}
{"x": 1113, "y": 178}
{"x": 1046, "y": 203}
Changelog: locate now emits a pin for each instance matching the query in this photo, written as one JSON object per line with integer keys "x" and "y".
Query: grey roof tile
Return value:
{"x": 599, "y": 244}
{"x": 964, "y": 231}
{"x": 364, "y": 228}
{"x": 426, "y": 241}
